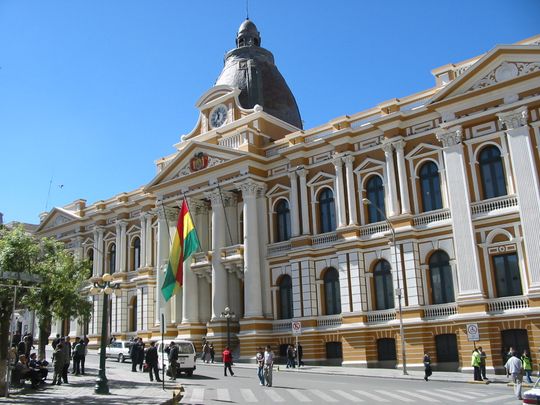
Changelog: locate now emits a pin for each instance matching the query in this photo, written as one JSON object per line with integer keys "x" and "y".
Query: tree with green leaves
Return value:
{"x": 57, "y": 296}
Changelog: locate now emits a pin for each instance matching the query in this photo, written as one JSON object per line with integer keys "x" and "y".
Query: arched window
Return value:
{"x": 283, "y": 221}
{"x": 136, "y": 253}
{"x": 327, "y": 211}
{"x": 285, "y": 297}
{"x": 332, "y": 293}
{"x": 430, "y": 185}
{"x": 440, "y": 277}
{"x": 112, "y": 258}
{"x": 384, "y": 290}
{"x": 492, "y": 172}
{"x": 133, "y": 314}
{"x": 375, "y": 194}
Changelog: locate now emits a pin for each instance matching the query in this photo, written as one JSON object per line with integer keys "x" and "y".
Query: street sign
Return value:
{"x": 20, "y": 276}
{"x": 473, "y": 334}
{"x": 296, "y": 328}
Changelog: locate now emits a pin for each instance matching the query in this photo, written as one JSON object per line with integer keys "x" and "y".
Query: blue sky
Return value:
{"x": 93, "y": 92}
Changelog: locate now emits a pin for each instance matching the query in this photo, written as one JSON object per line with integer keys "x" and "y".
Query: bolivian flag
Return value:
{"x": 184, "y": 244}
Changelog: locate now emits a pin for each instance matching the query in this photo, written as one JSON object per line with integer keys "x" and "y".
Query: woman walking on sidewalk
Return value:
{"x": 227, "y": 361}
{"x": 260, "y": 364}
{"x": 427, "y": 366}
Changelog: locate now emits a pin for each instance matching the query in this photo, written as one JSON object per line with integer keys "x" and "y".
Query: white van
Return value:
{"x": 186, "y": 356}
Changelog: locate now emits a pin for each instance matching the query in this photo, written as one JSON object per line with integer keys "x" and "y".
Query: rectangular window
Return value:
{"x": 507, "y": 277}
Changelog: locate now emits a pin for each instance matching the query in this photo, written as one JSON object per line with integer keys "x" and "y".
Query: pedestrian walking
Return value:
{"x": 300, "y": 353}
{"x": 227, "y": 361}
{"x": 475, "y": 363}
{"x": 173, "y": 360}
{"x": 290, "y": 357}
{"x": 67, "y": 358}
{"x": 268, "y": 365}
{"x": 78, "y": 354}
{"x": 527, "y": 365}
{"x": 152, "y": 361}
{"x": 212, "y": 353}
{"x": 134, "y": 354}
{"x": 141, "y": 354}
{"x": 483, "y": 357}
{"x": 427, "y": 366}
{"x": 85, "y": 341}
{"x": 259, "y": 357}
{"x": 514, "y": 367}
{"x": 58, "y": 361}
{"x": 206, "y": 353}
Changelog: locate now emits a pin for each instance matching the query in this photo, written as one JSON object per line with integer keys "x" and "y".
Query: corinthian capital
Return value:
{"x": 449, "y": 137}
{"x": 514, "y": 119}
{"x": 168, "y": 213}
{"x": 387, "y": 147}
{"x": 348, "y": 160}
{"x": 197, "y": 207}
{"x": 337, "y": 160}
{"x": 220, "y": 198}
{"x": 302, "y": 172}
{"x": 250, "y": 188}
{"x": 399, "y": 145}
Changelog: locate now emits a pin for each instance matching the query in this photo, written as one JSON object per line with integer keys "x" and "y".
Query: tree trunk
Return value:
{"x": 4, "y": 345}
{"x": 44, "y": 333}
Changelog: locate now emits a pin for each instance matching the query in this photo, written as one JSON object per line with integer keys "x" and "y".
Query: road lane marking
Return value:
{"x": 371, "y": 396}
{"x": 348, "y": 396}
{"x": 274, "y": 395}
{"x": 248, "y": 395}
{"x": 443, "y": 396}
{"x": 457, "y": 394}
{"x": 395, "y": 396}
{"x": 477, "y": 393}
{"x": 496, "y": 399}
{"x": 322, "y": 395}
{"x": 197, "y": 395}
{"x": 223, "y": 395}
{"x": 298, "y": 395}
{"x": 419, "y": 396}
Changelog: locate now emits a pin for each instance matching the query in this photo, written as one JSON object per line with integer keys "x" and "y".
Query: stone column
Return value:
{"x": 263, "y": 209}
{"x": 122, "y": 249}
{"x": 148, "y": 241}
{"x": 527, "y": 186}
{"x": 466, "y": 253}
{"x": 293, "y": 198}
{"x": 219, "y": 275}
{"x": 391, "y": 190}
{"x": 339, "y": 191}
{"x": 302, "y": 173}
{"x": 402, "y": 174}
{"x": 165, "y": 215}
{"x": 351, "y": 193}
{"x": 252, "y": 265}
{"x": 98, "y": 251}
{"x": 118, "y": 242}
{"x": 143, "y": 239}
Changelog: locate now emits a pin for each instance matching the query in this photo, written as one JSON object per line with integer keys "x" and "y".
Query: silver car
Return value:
{"x": 118, "y": 350}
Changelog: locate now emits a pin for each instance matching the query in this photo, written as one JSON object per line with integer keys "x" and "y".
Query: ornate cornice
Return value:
{"x": 449, "y": 136}
{"x": 514, "y": 119}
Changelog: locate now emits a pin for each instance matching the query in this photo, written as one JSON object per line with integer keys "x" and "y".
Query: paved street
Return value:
{"x": 315, "y": 385}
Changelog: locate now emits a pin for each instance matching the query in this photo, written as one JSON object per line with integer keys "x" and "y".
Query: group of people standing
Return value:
{"x": 208, "y": 352}
{"x": 265, "y": 363}
{"x": 294, "y": 353}
{"x": 63, "y": 353}
{"x": 136, "y": 353}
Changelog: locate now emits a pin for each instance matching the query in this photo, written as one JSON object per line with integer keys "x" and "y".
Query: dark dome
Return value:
{"x": 251, "y": 69}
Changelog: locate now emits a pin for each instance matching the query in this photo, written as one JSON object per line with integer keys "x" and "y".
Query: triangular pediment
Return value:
{"x": 422, "y": 150}
{"x": 368, "y": 164}
{"x": 57, "y": 217}
{"x": 278, "y": 189}
{"x": 502, "y": 64}
{"x": 195, "y": 158}
{"x": 320, "y": 178}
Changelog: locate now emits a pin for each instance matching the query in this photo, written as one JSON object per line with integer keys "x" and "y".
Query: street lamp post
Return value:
{"x": 106, "y": 287}
{"x": 228, "y": 314}
{"x": 366, "y": 201}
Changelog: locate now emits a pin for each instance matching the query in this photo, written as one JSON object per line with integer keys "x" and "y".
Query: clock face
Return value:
{"x": 218, "y": 116}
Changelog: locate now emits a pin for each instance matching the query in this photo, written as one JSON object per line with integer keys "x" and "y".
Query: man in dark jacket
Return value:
{"x": 67, "y": 358}
{"x": 78, "y": 354}
{"x": 173, "y": 360}
{"x": 134, "y": 353}
{"x": 152, "y": 361}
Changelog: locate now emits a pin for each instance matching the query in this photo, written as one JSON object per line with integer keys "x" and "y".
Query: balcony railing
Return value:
{"x": 283, "y": 325}
{"x": 324, "y": 239}
{"x": 440, "y": 310}
{"x": 381, "y": 316}
{"x": 494, "y": 204}
{"x": 507, "y": 304}
{"x": 200, "y": 258}
{"x": 276, "y": 248}
{"x": 329, "y": 321}
{"x": 430, "y": 217}
{"x": 377, "y": 227}
{"x": 234, "y": 141}
{"x": 232, "y": 252}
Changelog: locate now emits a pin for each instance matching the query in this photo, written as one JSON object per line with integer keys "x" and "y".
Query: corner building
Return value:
{"x": 285, "y": 234}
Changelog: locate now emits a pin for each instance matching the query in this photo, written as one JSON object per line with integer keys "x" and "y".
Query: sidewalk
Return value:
{"x": 124, "y": 387}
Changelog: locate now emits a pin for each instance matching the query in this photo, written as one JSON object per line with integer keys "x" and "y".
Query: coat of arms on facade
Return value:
{"x": 198, "y": 162}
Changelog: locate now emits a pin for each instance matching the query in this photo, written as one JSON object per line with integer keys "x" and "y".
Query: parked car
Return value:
{"x": 186, "y": 356}
{"x": 532, "y": 396}
{"x": 118, "y": 350}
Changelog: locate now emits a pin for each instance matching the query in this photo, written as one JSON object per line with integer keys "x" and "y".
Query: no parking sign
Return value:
{"x": 296, "y": 328}
{"x": 473, "y": 334}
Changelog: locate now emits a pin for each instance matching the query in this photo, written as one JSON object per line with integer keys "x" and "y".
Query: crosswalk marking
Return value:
{"x": 274, "y": 395}
{"x": 371, "y": 396}
{"x": 223, "y": 394}
{"x": 453, "y": 394}
{"x": 475, "y": 393}
{"x": 495, "y": 399}
{"x": 248, "y": 395}
{"x": 322, "y": 395}
{"x": 419, "y": 396}
{"x": 298, "y": 395}
{"x": 396, "y": 396}
{"x": 348, "y": 396}
{"x": 197, "y": 395}
{"x": 440, "y": 395}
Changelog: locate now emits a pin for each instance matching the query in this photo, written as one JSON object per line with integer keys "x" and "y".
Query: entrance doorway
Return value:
{"x": 386, "y": 353}
{"x": 447, "y": 352}
{"x": 517, "y": 339}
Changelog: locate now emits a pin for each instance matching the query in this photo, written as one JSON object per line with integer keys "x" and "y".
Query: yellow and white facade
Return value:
{"x": 285, "y": 234}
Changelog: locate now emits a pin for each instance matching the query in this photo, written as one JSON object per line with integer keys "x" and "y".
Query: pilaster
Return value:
{"x": 340, "y": 191}
{"x": 390, "y": 179}
{"x": 351, "y": 193}
{"x": 402, "y": 174}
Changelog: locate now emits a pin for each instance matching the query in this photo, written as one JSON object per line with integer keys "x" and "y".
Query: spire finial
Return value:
{"x": 247, "y": 9}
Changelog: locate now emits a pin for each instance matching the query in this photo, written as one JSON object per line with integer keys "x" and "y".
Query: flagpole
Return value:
{"x": 225, "y": 213}
{"x": 194, "y": 226}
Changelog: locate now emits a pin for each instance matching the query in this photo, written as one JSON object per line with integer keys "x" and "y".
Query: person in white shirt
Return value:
{"x": 268, "y": 364}
{"x": 514, "y": 367}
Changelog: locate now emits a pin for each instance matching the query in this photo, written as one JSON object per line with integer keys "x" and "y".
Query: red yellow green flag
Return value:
{"x": 185, "y": 243}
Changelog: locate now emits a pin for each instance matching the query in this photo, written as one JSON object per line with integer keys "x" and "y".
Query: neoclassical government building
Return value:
{"x": 286, "y": 233}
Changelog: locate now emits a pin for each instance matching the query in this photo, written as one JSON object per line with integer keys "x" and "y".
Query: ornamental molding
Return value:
{"x": 449, "y": 137}
{"x": 505, "y": 71}
{"x": 193, "y": 166}
{"x": 514, "y": 119}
